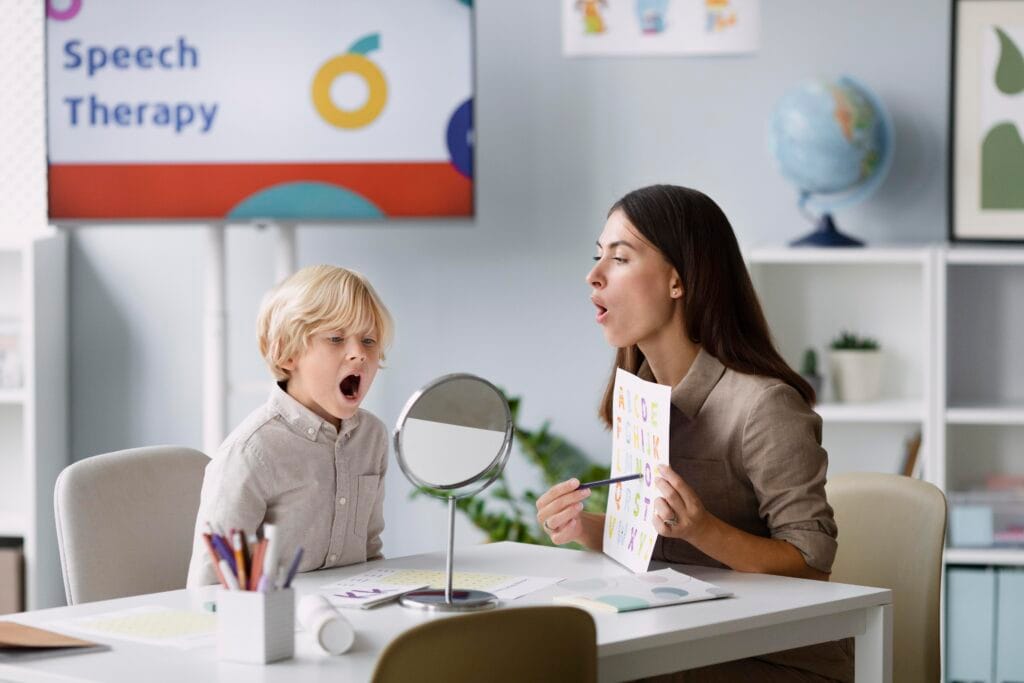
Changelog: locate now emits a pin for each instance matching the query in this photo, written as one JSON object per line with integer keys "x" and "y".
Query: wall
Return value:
{"x": 503, "y": 295}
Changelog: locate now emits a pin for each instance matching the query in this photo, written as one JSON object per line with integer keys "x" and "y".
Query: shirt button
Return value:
{"x": 332, "y": 558}
{"x": 311, "y": 431}
{"x": 341, "y": 501}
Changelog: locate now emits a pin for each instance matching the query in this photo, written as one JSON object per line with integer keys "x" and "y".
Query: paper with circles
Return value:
{"x": 640, "y": 421}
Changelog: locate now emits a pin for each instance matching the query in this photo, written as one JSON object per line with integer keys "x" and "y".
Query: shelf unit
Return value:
{"x": 810, "y": 295}
{"x": 951, "y": 318}
{"x": 34, "y": 417}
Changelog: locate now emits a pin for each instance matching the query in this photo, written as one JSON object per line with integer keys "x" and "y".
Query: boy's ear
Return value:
{"x": 288, "y": 364}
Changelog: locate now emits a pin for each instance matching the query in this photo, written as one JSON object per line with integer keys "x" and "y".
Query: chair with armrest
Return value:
{"x": 125, "y": 521}
{"x": 891, "y": 533}
{"x": 503, "y": 645}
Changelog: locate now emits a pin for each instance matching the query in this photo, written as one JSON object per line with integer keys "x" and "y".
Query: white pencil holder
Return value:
{"x": 256, "y": 628}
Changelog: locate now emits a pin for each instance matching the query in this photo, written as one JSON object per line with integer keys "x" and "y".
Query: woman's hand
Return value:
{"x": 560, "y": 510}
{"x": 679, "y": 512}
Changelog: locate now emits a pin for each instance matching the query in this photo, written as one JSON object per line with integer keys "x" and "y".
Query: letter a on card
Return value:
{"x": 628, "y": 545}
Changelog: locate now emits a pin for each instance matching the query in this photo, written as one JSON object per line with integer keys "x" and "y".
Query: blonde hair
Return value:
{"x": 315, "y": 299}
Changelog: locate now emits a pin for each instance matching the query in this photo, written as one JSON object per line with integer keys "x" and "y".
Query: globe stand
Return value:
{"x": 825, "y": 234}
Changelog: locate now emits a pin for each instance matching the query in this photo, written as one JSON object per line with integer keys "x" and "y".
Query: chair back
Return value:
{"x": 500, "y": 646}
{"x": 891, "y": 533}
{"x": 125, "y": 521}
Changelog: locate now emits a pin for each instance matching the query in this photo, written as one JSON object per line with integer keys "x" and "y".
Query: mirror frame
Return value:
{"x": 488, "y": 475}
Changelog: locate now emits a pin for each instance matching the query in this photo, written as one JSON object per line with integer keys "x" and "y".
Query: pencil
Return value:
{"x": 240, "y": 560}
{"x": 614, "y": 480}
{"x": 256, "y": 572}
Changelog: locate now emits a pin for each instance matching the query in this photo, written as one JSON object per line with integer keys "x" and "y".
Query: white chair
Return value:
{"x": 125, "y": 521}
{"x": 891, "y": 533}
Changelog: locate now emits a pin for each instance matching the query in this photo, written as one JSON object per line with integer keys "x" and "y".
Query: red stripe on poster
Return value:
{"x": 210, "y": 191}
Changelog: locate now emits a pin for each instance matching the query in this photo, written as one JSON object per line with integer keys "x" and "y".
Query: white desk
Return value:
{"x": 767, "y": 614}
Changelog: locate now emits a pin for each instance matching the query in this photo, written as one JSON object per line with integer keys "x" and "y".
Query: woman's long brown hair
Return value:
{"x": 721, "y": 310}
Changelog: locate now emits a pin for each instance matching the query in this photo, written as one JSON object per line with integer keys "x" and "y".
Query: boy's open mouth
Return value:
{"x": 350, "y": 386}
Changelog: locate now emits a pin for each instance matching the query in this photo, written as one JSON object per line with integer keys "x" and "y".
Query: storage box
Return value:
{"x": 986, "y": 519}
{"x": 1010, "y": 625}
{"x": 256, "y": 628}
{"x": 12, "y": 580}
{"x": 970, "y": 624}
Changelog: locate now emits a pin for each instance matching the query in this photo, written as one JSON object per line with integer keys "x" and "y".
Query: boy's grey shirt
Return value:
{"x": 323, "y": 488}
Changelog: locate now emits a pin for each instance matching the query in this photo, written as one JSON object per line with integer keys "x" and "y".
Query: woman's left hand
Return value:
{"x": 679, "y": 512}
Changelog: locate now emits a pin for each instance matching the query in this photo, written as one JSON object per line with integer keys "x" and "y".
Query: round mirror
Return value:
{"x": 453, "y": 439}
{"x": 454, "y": 436}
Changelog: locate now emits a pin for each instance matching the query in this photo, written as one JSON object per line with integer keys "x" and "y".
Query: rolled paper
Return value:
{"x": 330, "y": 629}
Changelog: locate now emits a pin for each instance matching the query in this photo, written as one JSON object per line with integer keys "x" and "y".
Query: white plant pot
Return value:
{"x": 856, "y": 375}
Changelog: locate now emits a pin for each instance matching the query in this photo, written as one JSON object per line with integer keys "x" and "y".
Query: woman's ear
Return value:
{"x": 675, "y": 287}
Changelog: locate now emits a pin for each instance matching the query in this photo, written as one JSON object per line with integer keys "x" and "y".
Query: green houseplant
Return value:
{"x": 809, "y": 370}
{"x": 856, "y": 367}
{"x": 506, "y": 515}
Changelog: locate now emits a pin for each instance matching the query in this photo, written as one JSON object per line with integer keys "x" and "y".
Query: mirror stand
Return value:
{"x": 447, "y": 600}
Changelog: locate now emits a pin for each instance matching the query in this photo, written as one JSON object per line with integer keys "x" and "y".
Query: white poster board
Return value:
{"x": 640, "y": 433}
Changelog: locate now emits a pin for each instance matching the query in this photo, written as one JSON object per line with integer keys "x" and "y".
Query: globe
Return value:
{"x": 832, "y": 139}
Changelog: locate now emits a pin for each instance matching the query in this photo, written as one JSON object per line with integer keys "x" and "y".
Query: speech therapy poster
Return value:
{"x": 640, "y": 420}
{"x": 259, "y": 109}
{"x": 660, "y": 27}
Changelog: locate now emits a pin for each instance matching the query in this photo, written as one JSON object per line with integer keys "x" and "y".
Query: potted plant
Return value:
{"x": 856, "y": 368}
{"x": 809, "y": 371}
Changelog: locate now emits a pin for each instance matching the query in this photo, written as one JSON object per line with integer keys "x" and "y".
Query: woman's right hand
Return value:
{"x": 560, "y": 511}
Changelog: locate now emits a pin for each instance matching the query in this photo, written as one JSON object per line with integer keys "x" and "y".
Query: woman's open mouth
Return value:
{"x": 350, "y": 386}
{"x": 602, "y": 313}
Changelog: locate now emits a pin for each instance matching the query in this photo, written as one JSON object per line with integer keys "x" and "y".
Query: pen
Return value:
{"x": 228, "y": 576}
{"x": 223, "y": 550}
{"x": 270, "y": 560}
{"x": 208, "y": 540}
{"x": 294, "y": 568}
{"x": 615, "y": 480}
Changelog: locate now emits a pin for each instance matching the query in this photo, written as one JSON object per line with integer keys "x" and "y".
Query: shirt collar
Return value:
{"x": 301, "y": 419}
{"x": 695, "y": 387}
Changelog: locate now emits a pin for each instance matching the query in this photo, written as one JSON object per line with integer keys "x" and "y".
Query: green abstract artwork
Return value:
{"x": 1002, "y": 150}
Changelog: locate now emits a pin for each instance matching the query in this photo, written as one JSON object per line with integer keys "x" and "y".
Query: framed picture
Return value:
{"x": 987, "y": 121}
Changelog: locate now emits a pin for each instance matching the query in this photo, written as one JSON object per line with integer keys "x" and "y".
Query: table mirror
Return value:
{"x": 452, "y": 440}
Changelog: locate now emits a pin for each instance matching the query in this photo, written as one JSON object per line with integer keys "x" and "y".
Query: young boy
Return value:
{"x": 309, "y": 460}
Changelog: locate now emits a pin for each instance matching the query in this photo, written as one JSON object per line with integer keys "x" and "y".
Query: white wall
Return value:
{"x": 503, "y": 295}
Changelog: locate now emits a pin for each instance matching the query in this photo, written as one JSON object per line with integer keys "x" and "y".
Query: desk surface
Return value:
{"x": 766, "y": 614}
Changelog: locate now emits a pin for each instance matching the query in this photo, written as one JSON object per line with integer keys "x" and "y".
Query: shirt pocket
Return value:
{"x": 368, "y": 488}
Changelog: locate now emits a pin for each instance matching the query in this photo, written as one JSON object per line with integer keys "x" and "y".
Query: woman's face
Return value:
{"x": 634, "y": 289}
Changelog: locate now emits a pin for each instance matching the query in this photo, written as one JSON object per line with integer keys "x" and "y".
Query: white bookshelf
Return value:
{"x": 34, "y": 416}
{"x": 952, "y": 320}
{"x": 810, "y": 295}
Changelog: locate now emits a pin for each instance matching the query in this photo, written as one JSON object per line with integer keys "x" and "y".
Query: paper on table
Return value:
{"x": 630, "y": 592}
{"x": 640, "y": 421}
{"x": 398, "y": 581}
{"x": 150, "y": 624}
{"x": 19, "y": 642}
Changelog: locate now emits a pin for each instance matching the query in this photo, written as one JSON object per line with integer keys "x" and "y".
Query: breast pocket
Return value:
{"x": 366, "y": 497}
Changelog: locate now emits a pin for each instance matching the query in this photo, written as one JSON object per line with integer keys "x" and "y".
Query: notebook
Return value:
{"x": 20, "y": 643}
{"x": 630, "y": 592}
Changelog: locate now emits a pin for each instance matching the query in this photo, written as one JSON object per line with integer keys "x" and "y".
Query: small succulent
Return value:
{"x": 809, "y": 366}
{"x": 848, "y": 341}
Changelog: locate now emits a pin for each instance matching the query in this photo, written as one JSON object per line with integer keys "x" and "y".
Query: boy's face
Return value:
{"x": 333, "y": 375}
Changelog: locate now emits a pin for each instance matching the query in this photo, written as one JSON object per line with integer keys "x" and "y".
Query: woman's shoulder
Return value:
{"x": 759, "y": 392}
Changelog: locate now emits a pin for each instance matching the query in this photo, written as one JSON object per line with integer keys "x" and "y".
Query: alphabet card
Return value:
{"x": 640, "y": 416}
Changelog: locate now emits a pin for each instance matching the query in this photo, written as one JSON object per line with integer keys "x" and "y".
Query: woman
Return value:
{"x": 745, "y": 485}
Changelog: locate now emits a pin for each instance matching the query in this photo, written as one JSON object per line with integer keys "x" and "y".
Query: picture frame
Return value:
{"x": 986, "y": 169}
